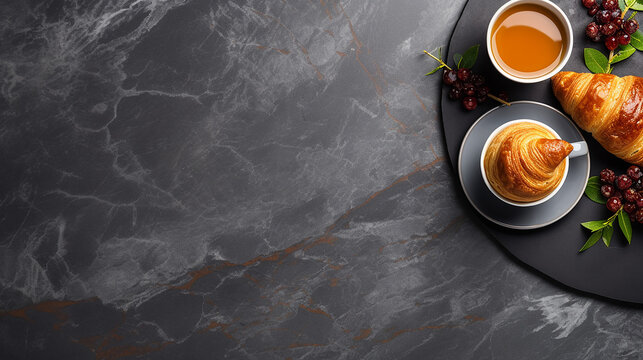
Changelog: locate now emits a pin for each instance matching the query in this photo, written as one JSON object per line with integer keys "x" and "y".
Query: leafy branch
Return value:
{"x": 604, "y": 229}
{"x": 597, "y": 62}
{"x": 462, "y": 61}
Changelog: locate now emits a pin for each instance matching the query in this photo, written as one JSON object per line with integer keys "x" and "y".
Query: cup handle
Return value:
{"x": 580, "y": 149}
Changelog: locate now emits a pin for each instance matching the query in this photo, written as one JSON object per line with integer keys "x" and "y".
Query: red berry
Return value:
{"x": 469, "y": 90}
{"x": 483, "y": 90}
{"x": 610, "y": 4}
{"x": 629, "y": 208}
{"x": 593, "y": 10}
{"x": 589, "y": 3}
{"x": 481, "y": 99}
{"x": 618, "y": 22}
{"x": 469, "y": 103}
{"x": 634, "y": 172}
{"x": 618, "y": 194}
{"x": 630, "y": 195}
{"x": 603, "y": 16}
{"x": 630, "y": 26}
{"x": 477, "y": 80}
{"x": 610, "y": 43}
{"x": 639, "y": 202}
{"x": 607, "y": 176}
{"x": 613, "y": 204}
{"x": 623, "y": 38}
{"x": 463, "y": 74}
{"x": 639, "y": 216}
{"x": 638, "y": 184}
{"x": 623, "y": 182}
{"x": 632, "y": 217}
{"x": 608, "y": 29}
{"x": 449, "y": 77}
{"x": 592, "y": 30}
{"x": 455, "y": 94}
{"x": 615, "y": 14}
{"x": 607, "y": 191}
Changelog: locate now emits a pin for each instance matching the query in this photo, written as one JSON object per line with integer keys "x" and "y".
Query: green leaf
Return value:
{"x": 594, "y": 225}
{"x": 470, "y": 56}
{"x": 595, "y": 61}
{"x": 457, "y": 58}
{"x": 638, "y": 5}
{"x": 592, "y": 240}
{"x": 607, "y": 235}
{"x": 623, "y": 53}
{"x": 637, "y": 40}
{"x": 632, "y": 4}
{"x": 593, "y": 190}
{"x": 625, "y": 225}
{"x": 434, "y": 70}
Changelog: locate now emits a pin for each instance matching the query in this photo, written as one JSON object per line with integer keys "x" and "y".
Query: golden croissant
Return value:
{"x": 525, "y": 163}
{"x": 608, "y": 106}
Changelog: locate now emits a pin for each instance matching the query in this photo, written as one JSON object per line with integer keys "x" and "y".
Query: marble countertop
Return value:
{"x": 190, "y": 179}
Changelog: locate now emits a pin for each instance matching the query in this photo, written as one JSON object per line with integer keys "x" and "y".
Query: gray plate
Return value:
{"x": 493, "y": 208}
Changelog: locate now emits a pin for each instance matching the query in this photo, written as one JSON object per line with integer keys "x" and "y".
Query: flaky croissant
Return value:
{"x": 609, "y": 107}
{"x": 525, "y": 163}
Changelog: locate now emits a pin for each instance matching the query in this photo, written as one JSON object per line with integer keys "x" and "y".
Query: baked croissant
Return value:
{"x": 609, "y": 107}
{"x": 525, "y": 162}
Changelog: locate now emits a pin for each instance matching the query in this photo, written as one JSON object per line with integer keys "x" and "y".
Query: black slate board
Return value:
{"x": 613, "y": 272}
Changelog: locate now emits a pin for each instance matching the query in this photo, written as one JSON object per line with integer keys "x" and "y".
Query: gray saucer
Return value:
{"x": 499, "y": 212}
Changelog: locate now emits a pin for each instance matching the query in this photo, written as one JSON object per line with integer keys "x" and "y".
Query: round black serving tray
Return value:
{"x": 613, "y": 272}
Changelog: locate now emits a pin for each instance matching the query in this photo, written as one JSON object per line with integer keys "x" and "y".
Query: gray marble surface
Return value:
{"x": 253, "y": 180}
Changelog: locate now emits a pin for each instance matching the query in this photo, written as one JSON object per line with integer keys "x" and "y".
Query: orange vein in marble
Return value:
{"x": 363, "y": 334}
{"x": 373, "y": 78}
{"x": 254, "y": 280}
{"x": 222, "y": 326}
{"x": 381, "y": 249}
{"x": 198, "y": 274}
{"x": 54, "y": 307}
{"x": 350, "y": 26}
{"x": 299, "y": 345}
{"x": 421, "y": 187}
{"x": 324, "y": 239}
{"x": 323, "y": 4}
{"x": 420, "y": 100}
{"x": 315, "y": 311}
{"x": 342, "y": 54}
{"x": 294, "y": 39}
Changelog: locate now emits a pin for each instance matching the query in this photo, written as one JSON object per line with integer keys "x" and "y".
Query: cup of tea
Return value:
{"x": 525, "y": 162}
{"x": 529, "y": 40}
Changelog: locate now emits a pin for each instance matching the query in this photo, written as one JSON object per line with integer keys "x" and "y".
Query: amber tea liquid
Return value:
{"x": 528, "y": 41}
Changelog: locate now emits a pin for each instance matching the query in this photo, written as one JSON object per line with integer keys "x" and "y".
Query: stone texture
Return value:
{"x": 250, "y": 179}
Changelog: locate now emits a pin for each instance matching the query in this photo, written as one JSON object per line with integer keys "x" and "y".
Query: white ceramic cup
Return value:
{"x": 567, "y": 28}
{"x": 580, "y": 148}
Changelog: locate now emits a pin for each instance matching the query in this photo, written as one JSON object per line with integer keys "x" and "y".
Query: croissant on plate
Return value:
{"x": 525, "y": 162}
{"x": 608, "y": 106}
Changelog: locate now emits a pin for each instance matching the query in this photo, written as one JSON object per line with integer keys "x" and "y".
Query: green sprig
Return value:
{"x": 597, "y": 62}
{"x": 604, "y": 229}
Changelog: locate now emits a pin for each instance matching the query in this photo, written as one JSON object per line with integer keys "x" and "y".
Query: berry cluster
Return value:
{"x": 608, "y": 25}
{"x": 625, "y": 190}
{"x": 467, "y": 87}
